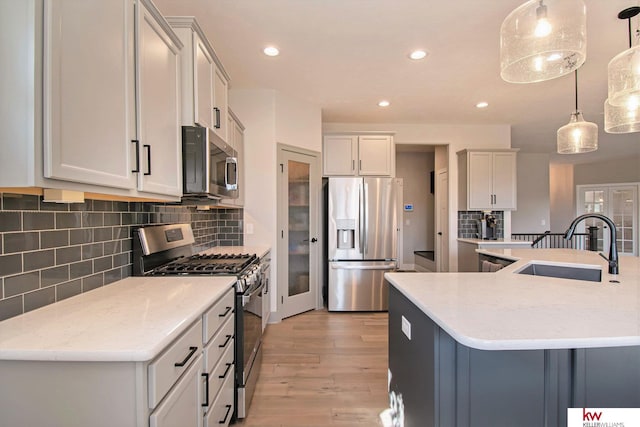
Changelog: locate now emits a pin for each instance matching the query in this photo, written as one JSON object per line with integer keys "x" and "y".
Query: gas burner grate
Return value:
{"x": 207, "y": 264}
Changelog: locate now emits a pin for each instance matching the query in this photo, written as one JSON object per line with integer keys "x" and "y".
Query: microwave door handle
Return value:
{"x": 233, "y": 185}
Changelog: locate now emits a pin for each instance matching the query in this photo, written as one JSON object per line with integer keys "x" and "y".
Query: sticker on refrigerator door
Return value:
{"x": 408, "y": 207}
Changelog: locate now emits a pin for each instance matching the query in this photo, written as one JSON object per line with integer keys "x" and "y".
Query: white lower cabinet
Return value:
{"x": 181, "y": 407}
{"x": 170, "y": 390}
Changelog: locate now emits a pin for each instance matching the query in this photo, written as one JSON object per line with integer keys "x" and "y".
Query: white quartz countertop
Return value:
{"x": 509, "y": 311}
{"x": 260, "y": 250}
{"x": 130, "y": 320}
{"x": 497, "y": 242}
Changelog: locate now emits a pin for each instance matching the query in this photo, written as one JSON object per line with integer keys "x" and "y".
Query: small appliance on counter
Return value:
{"x": 487, "y": 227}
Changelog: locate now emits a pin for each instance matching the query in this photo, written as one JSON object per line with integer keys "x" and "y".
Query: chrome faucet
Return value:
{"x": 613, "y": 249}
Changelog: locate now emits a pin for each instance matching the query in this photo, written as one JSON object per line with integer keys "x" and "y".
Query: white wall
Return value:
{"x": 457, "y": 137}
{"x": 608, "y": 172}
{"x": 561, "y": 197}
{"x": 270, "y": 118}
{"x": 533, "y": 214}
{"x": 414, "y": 169}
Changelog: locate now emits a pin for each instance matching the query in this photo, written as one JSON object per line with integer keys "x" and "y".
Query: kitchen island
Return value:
{"x": 506, "y": 349}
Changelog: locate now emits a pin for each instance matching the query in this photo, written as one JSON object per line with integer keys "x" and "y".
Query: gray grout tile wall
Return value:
{"x": 468, "y": 223}
{"x": 50, "y": 251}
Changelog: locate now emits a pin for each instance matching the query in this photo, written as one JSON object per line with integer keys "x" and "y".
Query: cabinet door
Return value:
{"x": 203, "y": 82}
{"x": 220, "y": 99}
{"x": 89, "y": 93}
{"x": 159, "y": 111}
{"x": 182, "y": 406}
{"x": 339, "y": 154}
{"x": 375, "y": 155}
{"x": 239, "y": 146}
{"x": 504, "y": 181}
{"x": 479, "y": 181}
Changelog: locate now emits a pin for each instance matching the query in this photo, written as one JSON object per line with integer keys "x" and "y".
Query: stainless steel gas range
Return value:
{"x": 169, "y": 250}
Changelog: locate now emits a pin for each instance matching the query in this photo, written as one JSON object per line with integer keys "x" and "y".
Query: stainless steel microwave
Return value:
{"x": 209, "y": 165}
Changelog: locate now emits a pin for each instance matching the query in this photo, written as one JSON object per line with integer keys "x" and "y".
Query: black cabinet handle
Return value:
{"x": 226, "y": 342}
{"x": 206, "y": 389}
{"x": 148, "y": 147}
{"x": 224, "y": 420}
{"x": 137, "y": 169}
{"x": 226, "y": 312}
{"x": 192, "y": 351}
{"x": 217, "y": 110}
{"x": 226, "y": 371}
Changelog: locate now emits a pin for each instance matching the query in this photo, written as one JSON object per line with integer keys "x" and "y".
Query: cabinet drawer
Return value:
{"x": 217, "y": 315}
{"x": 173, "y": 362}
{"x": 222, "y": 408}
{"x": 182, "y": 405}
{"x": 218, "y": 375}
{"x": 219, "y": 344}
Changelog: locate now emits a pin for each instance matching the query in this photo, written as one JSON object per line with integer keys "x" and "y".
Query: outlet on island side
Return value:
{"x": 406, "y": 327}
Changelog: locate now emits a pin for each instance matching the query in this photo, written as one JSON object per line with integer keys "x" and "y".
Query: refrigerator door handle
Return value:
{"x": 361, "y": 217}
{"x": 366, "y": 218}
{"x": 363, "y": 267}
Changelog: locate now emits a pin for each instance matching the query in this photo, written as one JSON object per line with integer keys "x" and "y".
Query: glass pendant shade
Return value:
{"x": 542, "y": 40}
{"x": 621, "y": 119}
{"x": 577, "y": 136}
{"x": 624, "y": 79}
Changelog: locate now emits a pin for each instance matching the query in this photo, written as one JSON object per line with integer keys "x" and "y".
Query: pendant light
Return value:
{"x": 542, "y": 40}
{"x": 624, "y": 70}
{"x": 578, "y": 136}
{"x": 624, "y": 115}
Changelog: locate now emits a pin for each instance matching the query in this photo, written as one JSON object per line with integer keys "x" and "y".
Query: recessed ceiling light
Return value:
{"x": 271, "y": 51}
{"x": 418, "y": 54}
{"x": 482, "y": 104}
{"x": 384, "y": 103}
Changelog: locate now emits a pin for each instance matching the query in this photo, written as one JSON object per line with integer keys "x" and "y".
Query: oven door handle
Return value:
{"x": 254, "y": 292}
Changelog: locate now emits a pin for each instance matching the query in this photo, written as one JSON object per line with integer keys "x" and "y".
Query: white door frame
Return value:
{"x": 442, "y": 220}
{"x": 315, "y": 249}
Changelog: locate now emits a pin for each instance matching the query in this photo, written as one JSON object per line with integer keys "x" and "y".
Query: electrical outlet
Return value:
{"x": 249, "y": 228}
{"x": 406, "y": 327}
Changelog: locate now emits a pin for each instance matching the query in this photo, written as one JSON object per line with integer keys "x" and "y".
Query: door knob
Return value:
{"x": 439, "y": 233}
{"x": 313, "y": 240}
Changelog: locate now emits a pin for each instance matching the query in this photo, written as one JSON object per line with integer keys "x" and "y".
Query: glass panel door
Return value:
{"x": 594, "y": 202}
{"x": 298, "y": 179}
{"x": 622, "y": 209}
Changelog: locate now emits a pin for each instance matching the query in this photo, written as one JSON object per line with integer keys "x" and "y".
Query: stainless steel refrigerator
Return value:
{"x": 362, "y": 242}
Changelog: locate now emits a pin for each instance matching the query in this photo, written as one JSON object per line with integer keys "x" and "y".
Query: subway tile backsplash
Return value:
{"x": 468, "y": 224}
{"x": 50, "y": 251}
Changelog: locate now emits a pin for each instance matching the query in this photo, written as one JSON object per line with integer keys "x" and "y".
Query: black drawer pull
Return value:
{"x": 224, "y": 420}
{"x": 226, "y": 312}
{"x": 192, "y": 351}
{"x": 226, "y": 342}
{"x": 206, "y": 389}
{"x": 226, "y": 371}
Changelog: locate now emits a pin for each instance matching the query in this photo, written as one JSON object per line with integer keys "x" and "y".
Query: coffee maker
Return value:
{"x": 487, "y": 227}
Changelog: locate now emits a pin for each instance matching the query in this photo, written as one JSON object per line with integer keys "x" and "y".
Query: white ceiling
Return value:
{"x": 346, "y": 55}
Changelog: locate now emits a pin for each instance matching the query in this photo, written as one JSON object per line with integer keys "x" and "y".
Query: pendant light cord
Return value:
{"x": 576, "y": 84}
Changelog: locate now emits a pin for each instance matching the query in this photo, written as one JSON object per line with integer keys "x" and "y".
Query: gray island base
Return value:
{"x": 436, "y": 381}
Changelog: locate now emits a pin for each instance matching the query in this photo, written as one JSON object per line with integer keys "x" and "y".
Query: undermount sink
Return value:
{"x": 591, "y": 274}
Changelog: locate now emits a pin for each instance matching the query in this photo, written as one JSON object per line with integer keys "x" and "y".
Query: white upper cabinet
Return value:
{"x": 159, "y": 122}
{"x": 358, "y": 155}
{"x": 89, "y": 92}
{"x": 487, "y": 180}
{"x": 205, "y": 83}
{"x": 99, "y": 81}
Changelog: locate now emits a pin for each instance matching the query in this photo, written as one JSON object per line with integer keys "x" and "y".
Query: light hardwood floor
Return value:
{"x": 322, "y": 369}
